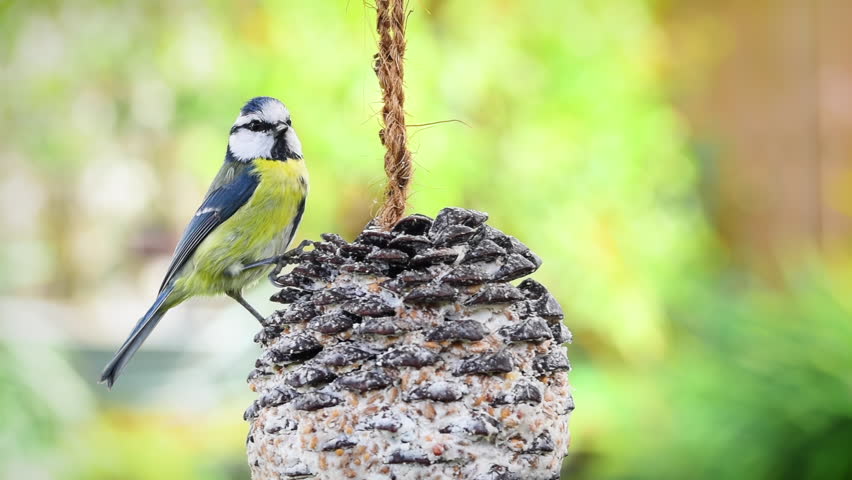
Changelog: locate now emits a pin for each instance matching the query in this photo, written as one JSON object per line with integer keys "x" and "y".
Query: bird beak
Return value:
{"x": 282, "y": 127}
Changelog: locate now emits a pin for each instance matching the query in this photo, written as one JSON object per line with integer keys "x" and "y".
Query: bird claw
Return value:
{"x": 289, "y": 257}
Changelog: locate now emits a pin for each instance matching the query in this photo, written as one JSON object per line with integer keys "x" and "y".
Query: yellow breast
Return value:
{"x": 287, "y": 174}
{"x": 260, "y": 229}
{"x": 276, "y": 202}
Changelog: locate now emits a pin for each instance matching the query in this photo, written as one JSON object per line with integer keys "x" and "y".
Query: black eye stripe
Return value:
{"x": 254, "y": 126}
{"x": 257, "y": 126}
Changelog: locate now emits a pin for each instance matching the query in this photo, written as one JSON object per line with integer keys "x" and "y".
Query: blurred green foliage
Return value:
{"x": 115, "y": 118}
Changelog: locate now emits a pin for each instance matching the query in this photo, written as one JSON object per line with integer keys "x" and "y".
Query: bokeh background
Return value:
{"x": 683, "y": 167}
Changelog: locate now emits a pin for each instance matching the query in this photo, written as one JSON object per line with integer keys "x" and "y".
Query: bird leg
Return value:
{"x": 280, "y": 260}
{"x": 238, "y": 296}
{"x": 260, "y": 263}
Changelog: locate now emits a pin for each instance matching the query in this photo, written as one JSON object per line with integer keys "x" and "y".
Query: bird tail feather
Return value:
{"x": 136, "y": 338}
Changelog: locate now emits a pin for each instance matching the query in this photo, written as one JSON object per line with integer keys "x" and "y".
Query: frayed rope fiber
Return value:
{"x": 389, "y": 69}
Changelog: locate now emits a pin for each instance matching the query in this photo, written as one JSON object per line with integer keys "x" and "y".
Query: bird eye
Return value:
{"x": 257, "y": 126}
{"x": 289, "y": 122}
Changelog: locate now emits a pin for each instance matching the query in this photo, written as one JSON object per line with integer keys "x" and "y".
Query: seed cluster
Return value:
{"x": 409, "y": 355}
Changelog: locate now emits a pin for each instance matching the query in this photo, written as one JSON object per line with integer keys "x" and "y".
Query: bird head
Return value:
{"x": 264, "y": 130}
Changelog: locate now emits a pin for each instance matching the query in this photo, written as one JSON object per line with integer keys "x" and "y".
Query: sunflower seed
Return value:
{"x": 532, "y": 330}
{"x": 369, "y": 306}
{"x": 532, "y": 289}
{"x": 310, "y": 376}
{"x": 469, "y": 330}
{"x": 553, "y": 361}
{"x": 542, "y": 444}
{"x": 298, "y": 312}
{"x": 383, "y": 326}
{"x": 547, "y": 307}
{"x": 439, "y": 391}
{"x": 363, "y": 381}
{"x": 560, "y": 332}
{"x": 481, "y": 425}
{"x": 346, "y": 354}
{"x": 408, "y": 456}
{"x": 456, "y": 216}
{"x": 485, "y": 251}
{"x": 388, "y": 255}
{"x": 515, "y": 266}
{"x": 434, "y": 256}
{"x": 277, "y": 396}
{"x": 523, "y": 392}
{"x": 410, "y": 243}
{"x": 499, "y": 472}
{"x": 333, "y": 323}
{"x": 294, "y": 348}
{"x": 487, "y": 363}
{"x": 455, "y": 234}
{"x": 288, "y": 295}
{"x": 337, "y": 294}
{"x": 431, "y": 294}
{"x": 341, "y": 442}
{"x": 495, "y": 294}
{"x": 314, "y": 401}
{"x": 364, "y": 268}
{"x": 334, "y": 239}
{"x": 467, "y": 275}
{"x": 413, "y": 225}
{"x": 408, "y": 279}
{"x": 376, "y": 238}
{"x": 408, "y": 356}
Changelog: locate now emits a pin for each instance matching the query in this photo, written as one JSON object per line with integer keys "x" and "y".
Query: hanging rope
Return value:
{"x": 388, "y": 67}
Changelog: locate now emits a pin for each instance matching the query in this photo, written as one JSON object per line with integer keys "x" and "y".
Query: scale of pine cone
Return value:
{"x": 408, "y": 355}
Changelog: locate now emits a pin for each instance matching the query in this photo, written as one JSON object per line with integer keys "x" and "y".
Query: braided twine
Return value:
{"x": 389, "y": 69}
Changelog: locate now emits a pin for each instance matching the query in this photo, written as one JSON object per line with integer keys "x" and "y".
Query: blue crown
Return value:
{"x": 256, "y": 104}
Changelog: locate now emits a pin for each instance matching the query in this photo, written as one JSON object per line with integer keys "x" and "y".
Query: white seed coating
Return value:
{"x": 398, "y": 406}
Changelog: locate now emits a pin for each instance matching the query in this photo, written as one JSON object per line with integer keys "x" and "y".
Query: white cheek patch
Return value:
{"x": 247, "y": 145}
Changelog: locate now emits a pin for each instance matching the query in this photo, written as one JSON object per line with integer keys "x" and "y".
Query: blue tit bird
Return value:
{"x": 248, "y": 218}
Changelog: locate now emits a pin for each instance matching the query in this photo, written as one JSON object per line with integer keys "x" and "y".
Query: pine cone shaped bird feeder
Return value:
{"x": 408, "y": 354}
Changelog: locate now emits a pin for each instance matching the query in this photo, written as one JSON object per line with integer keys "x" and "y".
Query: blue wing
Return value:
{"x": 221, "y": 202}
